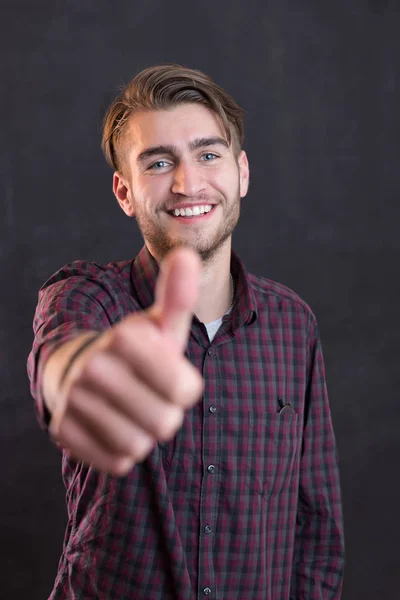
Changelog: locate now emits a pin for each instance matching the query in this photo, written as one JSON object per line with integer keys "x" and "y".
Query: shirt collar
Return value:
{"x": 144, "y": 275}
{"x": 245, "y": 306}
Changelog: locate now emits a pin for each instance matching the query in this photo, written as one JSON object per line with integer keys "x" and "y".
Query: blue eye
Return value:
{"x": 160, "y": 164}
{"x": 209, "y": 156}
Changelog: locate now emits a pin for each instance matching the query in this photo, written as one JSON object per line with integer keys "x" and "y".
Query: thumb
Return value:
{"x": 177, "y": 293}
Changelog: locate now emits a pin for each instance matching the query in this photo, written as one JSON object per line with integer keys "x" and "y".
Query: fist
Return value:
{"x": 130, "y": 388}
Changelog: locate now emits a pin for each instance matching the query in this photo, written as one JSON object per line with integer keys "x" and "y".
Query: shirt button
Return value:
{"x": 210, "y": 352}
{"x": 206, "y": 591}
{"x": 207, "y": 529}
{"x": 212, "y": 408}
{"x": 211, "y": 469}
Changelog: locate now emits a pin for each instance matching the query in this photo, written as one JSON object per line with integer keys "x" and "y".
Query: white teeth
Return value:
{"x": 194, "y": 211}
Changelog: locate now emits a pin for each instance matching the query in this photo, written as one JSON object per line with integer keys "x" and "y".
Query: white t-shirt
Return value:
{"x": 213, "y": 327}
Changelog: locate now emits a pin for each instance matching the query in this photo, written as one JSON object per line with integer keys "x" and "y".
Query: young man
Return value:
{"x": 188, "y": 395}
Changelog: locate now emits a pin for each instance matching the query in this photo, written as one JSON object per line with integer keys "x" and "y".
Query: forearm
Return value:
{"x": 58, "y": 365}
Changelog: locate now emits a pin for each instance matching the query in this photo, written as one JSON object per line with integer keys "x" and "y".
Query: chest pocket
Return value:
{"x": 260, "y": 450}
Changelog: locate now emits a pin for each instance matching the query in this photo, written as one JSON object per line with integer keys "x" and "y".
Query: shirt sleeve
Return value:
{"x": 72, "y": 301}
{"x": 319, "y": 540}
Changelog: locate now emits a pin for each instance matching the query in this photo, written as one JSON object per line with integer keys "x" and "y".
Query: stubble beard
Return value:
{"x": 161, "y": 239}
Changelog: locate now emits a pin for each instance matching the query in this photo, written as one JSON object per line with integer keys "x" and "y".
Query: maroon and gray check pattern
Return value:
{"x": 244, "y": 503}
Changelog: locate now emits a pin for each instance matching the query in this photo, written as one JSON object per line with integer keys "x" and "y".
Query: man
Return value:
{"x": 189, "y": 396}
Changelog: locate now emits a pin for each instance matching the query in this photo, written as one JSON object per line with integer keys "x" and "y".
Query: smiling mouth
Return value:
{"x": 193, "y": 211}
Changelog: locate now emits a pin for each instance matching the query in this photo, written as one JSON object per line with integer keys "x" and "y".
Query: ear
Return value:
{"x": 123, "y": 193}
{"x": 244, "y": 173}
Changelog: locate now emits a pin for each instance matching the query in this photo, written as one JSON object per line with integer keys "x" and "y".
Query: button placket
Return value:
{"x": 210, "y": 474}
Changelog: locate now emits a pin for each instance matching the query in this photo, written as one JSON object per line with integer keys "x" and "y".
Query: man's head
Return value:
{"x": 160, "y": 88}
{"x": 174, "y": 139}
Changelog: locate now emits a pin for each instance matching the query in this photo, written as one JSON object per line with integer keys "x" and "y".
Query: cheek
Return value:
{"x": 226, "y": 181}
{"x": 149, "y": 194}
{"x": 156, "y": 189}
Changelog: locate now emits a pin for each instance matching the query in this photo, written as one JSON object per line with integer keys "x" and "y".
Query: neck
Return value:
{"x": 215, "y": 286}
{"x": 215, "y": 290}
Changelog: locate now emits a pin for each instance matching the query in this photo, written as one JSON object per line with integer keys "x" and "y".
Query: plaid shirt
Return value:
{"x": 244, "y": 503}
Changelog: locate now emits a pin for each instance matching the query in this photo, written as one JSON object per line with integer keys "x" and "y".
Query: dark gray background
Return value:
{"x": 320, "y": 85}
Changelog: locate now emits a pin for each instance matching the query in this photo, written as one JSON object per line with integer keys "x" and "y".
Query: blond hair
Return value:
{"x": 162, "y": 87}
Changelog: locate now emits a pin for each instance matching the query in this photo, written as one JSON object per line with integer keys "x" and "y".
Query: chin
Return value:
{"x": 161, "y": 243}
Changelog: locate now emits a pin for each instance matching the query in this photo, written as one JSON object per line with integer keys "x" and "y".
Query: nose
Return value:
{"x": 188, "y": 180}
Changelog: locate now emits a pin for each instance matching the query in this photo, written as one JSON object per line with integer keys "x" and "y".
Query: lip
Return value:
{"x": 190, "y": 205}
{"x": 194, "y": 218}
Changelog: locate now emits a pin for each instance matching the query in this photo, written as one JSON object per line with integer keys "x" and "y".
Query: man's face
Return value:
{"x": 181, "y": 180}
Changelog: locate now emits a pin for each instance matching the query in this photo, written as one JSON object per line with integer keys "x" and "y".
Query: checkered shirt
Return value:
{"x": 244, "y": 503}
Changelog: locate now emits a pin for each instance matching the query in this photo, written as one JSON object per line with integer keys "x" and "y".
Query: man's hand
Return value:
{"x": 130, "y": 388}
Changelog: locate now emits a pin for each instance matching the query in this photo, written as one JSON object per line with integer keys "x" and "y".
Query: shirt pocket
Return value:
{"x": 262, "y": 450}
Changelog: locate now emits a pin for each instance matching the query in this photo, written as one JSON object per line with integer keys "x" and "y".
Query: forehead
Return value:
{"x": 176, "y": 126}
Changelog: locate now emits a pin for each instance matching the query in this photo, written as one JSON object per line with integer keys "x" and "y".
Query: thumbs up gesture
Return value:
{"x": 131, "y": 387}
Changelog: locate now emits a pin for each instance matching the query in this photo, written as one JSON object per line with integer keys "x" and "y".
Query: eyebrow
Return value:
{"x": 194, "y": 145}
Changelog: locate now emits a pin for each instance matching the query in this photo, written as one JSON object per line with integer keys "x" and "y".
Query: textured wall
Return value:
{"x": 320, "y": 85}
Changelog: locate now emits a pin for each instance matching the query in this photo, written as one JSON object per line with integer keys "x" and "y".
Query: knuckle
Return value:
{"x": 166, "y": 427}
{"x": 133, "y": 330}
{"x": 176, "y": 391}
{"x": 71, "y": 399}
{"x": 97, "y": 369}
{"x": 119, "y": 335}
{"x": 121, "y": 466}
{"x": 142, "y": 448}
{"x": 188, "y": 387}
{"x": 88, "y": 369}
